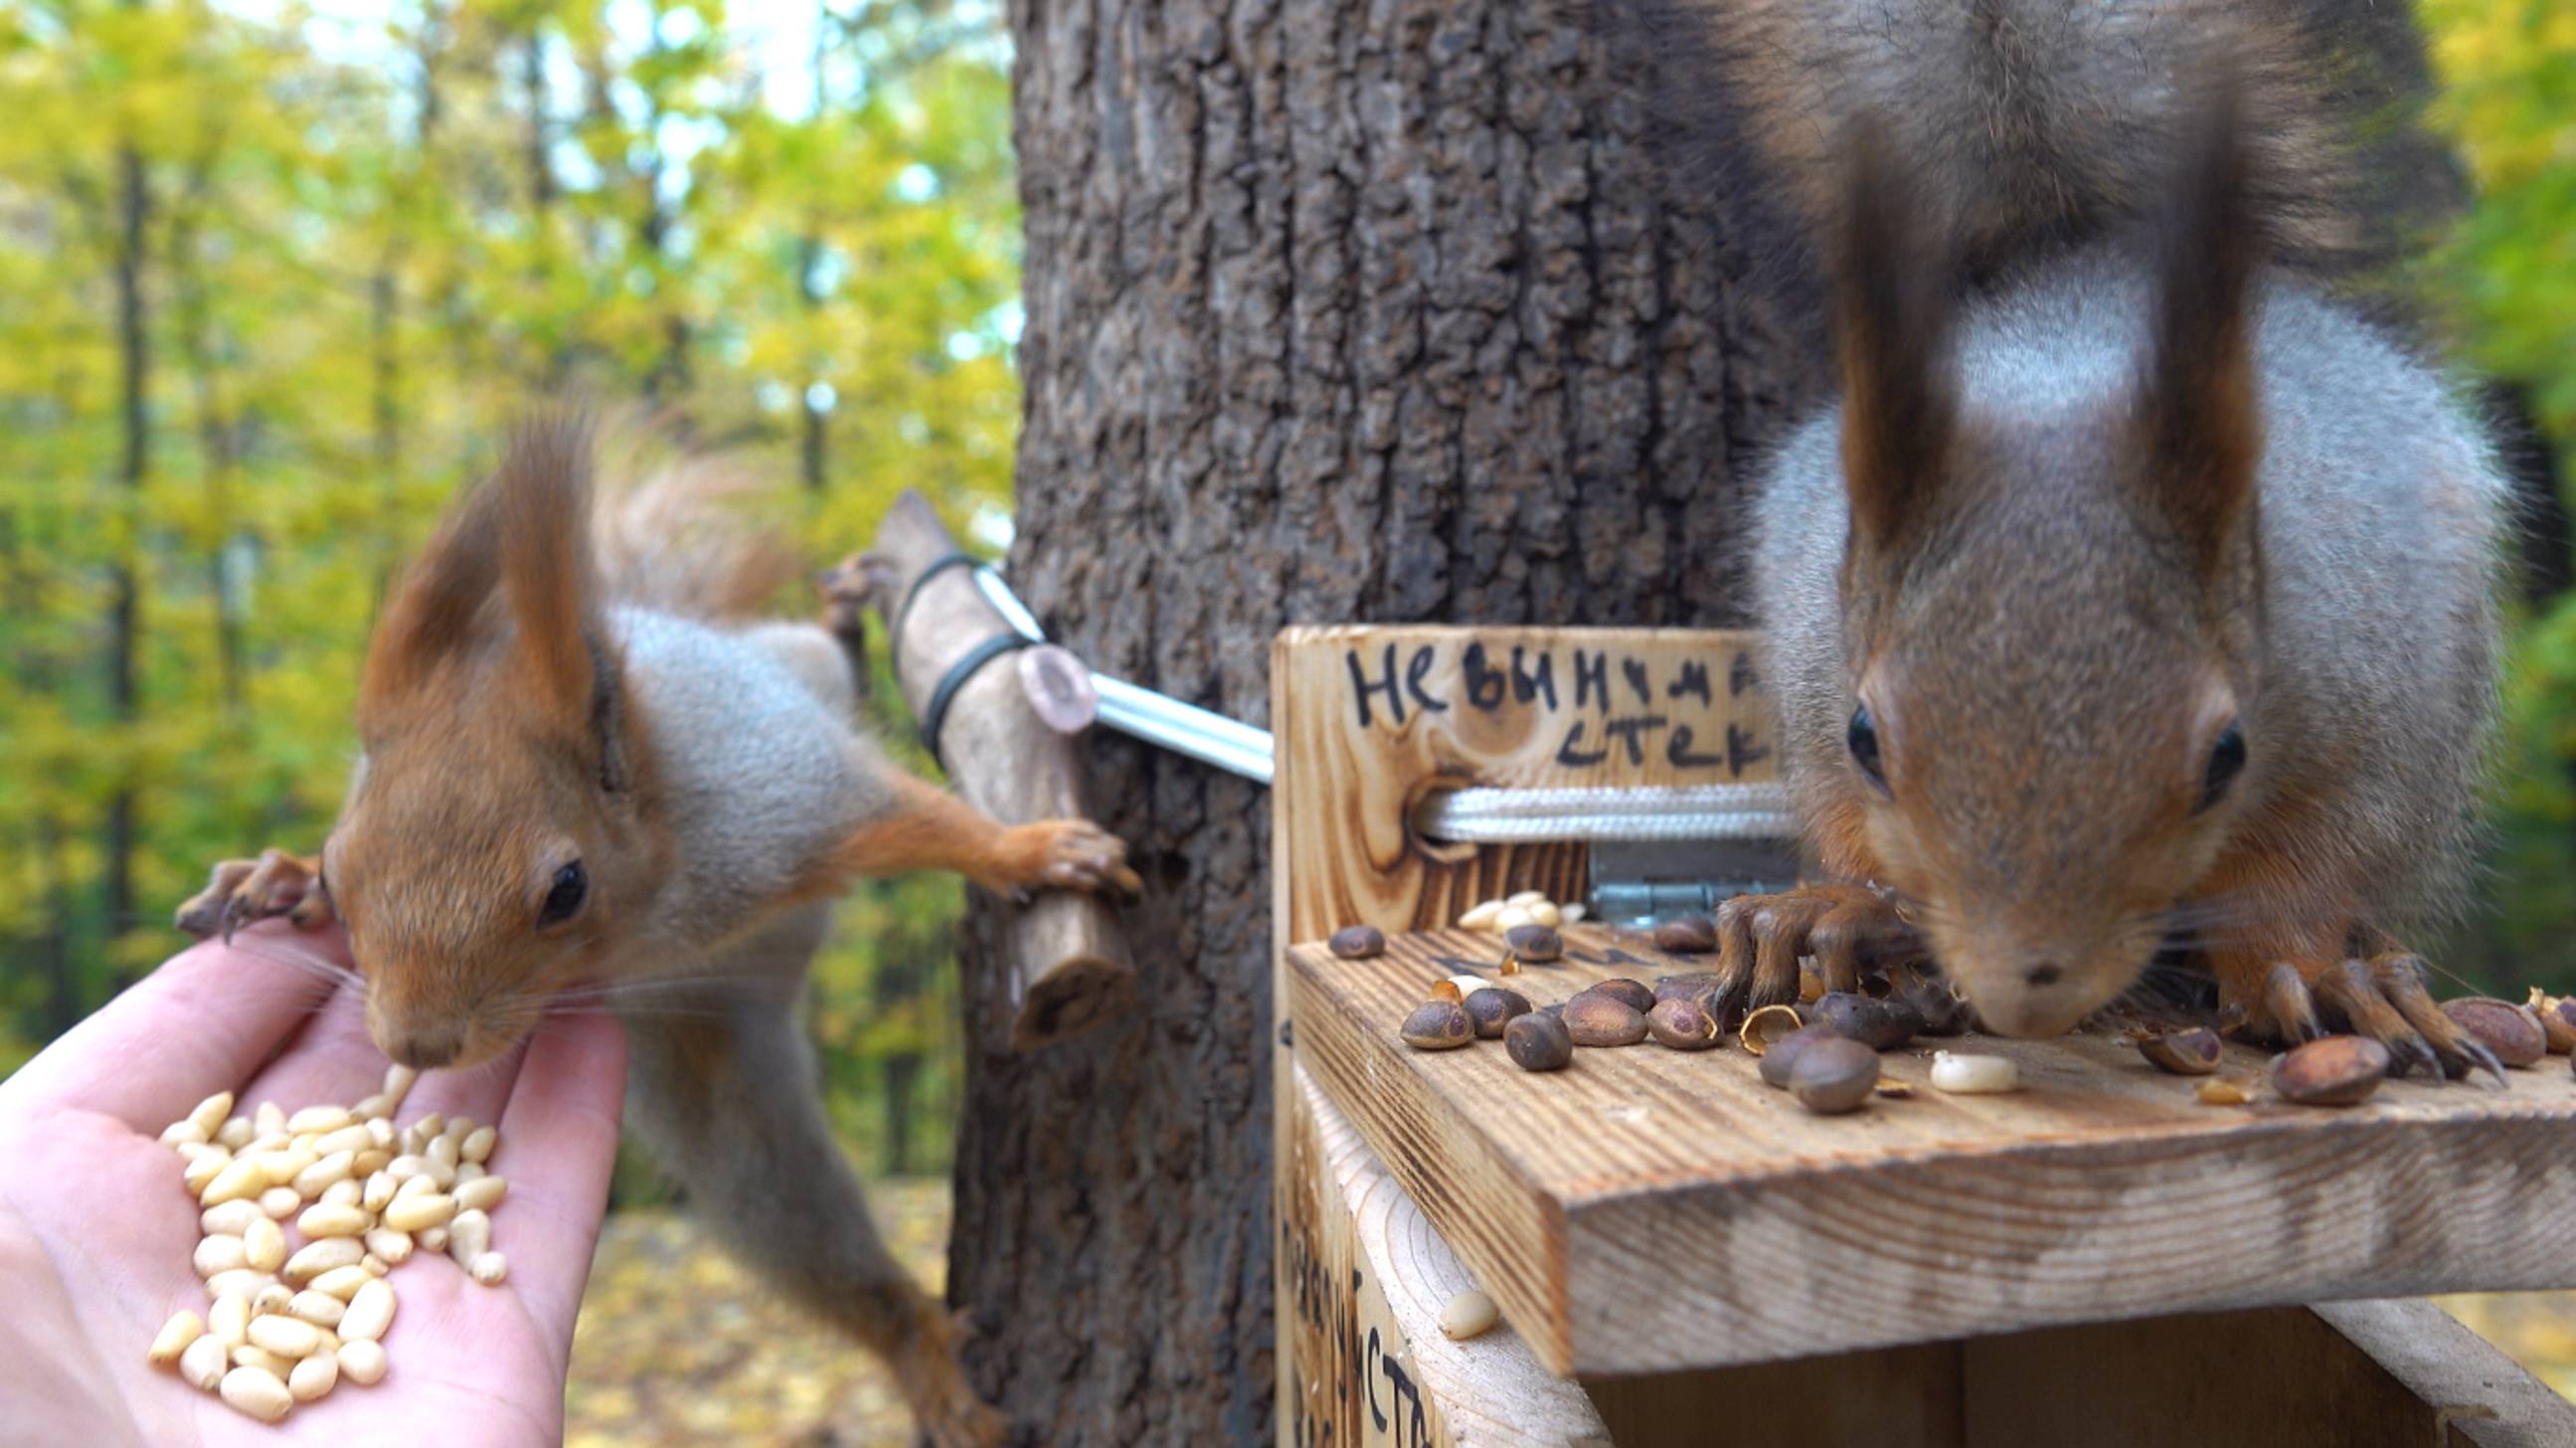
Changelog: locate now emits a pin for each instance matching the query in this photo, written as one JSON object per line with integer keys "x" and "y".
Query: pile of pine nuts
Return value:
{"x": 293, "y": 1313}
{"x": 1529, "y": 907}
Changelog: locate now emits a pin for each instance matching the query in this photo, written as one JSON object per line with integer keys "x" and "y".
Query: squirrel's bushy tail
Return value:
{"x": 677, "y": 532}
{"x": 2031, "y": 126}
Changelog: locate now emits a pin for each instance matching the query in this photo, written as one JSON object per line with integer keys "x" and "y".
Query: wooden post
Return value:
{"x": 1067, "y": 957}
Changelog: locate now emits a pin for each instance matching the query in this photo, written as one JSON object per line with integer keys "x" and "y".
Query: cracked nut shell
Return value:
{"x": 2557, "y": 1020}
{"x": 1593, "y": 1019}
{"x": 1630, "y": 993}
{"x": 2514, "y": 1034}
{"x": 1438, "y": 1026}
{"x": 1538, "y": 1043}
{"x": 2184, "y": 1053}
{"x": 1493, "y": 1008}
{"x": 1682, "y": 1025}
{"x": 2331, "y": 1071}
{"x": 1357, "y": 942}
{"x": 1879, "y": 1025}
{"x": 1535, "y": 942}
{"x": 1687, "y": 935}
{"x": 1833, "y": 1075}
{"x": 1765, "y": 1027}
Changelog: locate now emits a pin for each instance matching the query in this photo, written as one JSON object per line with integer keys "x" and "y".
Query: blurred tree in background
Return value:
{"x": 2507, "y": 278}
{"x": 273, "y": 279}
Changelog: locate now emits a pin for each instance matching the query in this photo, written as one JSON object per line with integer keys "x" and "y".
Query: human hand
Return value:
{"x": 96, "y": 1228}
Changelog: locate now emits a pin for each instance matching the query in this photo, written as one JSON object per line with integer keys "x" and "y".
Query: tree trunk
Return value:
{"x": 1336, "y": 312}
{"x": 125, "y": 586}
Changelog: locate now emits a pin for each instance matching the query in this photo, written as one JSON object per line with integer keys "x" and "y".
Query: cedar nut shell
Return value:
{"x": 1688, "y": 935}
{"x": 1357, "y": 942}
{"x": 1602, "y": 1020}
{"x": 2331, "y": 1071}
{"x": 1630, "y": 993}
{"x": 1438, "y": 1026}
{"x": 1833, "y": 1075}
{"x": 2184, "y": 1053}
{"x": 1495, "y": 1007}
{"x": 1879, "y": 1025}
{"x": 2513, "y": 1033}
{"x": 1538, "y": 1043}
{"x": 1682, "y": 1025}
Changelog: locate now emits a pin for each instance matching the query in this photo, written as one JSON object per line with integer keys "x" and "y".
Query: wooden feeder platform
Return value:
{"x": 1649, "y": 1210}
{"x": 1685, "y": 1256}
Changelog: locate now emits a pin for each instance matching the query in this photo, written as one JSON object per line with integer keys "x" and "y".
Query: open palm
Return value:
{"x": 96, "y": 1228}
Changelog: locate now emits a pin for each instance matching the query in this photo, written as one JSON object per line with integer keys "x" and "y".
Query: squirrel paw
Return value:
{"x": 850, "y": 587}
{"x": 1068, "y": 855}
{"x": 945, "y": 1407}
{"x": 1845, "y": 927}
{"x": 242, "y": 891}
{"x": 2383, "y": 998}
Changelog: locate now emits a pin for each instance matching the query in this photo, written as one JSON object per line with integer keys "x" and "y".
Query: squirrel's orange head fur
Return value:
{"x": 503, "y": 821}
{"x": 2052, "y": 615}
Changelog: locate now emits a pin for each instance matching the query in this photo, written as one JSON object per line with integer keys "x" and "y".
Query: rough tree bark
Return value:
{"x": 1336, "y": 312}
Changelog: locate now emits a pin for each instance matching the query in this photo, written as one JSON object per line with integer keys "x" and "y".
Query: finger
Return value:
{"x": 558, "y": 1146}
{"x": 200, "y": 1024}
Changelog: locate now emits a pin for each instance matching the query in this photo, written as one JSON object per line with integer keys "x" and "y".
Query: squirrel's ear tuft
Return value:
{"x": 542, "y": 496}
{"x": 435, "y": 608}
{"x": 1892, "y": 276}
{"x": 2200, "y": 415}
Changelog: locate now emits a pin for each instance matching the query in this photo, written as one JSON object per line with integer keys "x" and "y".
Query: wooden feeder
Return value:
{"x": 1685, "y": 1256}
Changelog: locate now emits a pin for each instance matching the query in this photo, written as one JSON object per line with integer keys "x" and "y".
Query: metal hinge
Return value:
{"x": 1641, "y": 882}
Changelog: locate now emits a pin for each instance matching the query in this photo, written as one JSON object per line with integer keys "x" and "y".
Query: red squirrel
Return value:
{"x": 588, "y": 760}
{"x": 2135, "y": 595}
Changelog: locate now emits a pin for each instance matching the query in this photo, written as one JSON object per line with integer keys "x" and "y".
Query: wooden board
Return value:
{"x": 1363, "y": 1279}
{"x": 1366, "y": 721}
{"x": 1649, "y": 1210}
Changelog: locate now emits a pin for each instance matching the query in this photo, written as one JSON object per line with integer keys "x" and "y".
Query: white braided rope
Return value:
{"x": 1680, "y": 812}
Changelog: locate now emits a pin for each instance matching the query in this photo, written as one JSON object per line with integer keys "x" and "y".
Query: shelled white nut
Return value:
{"x": 313, "y": 1377}
{"x": 1966, "y": 1075}
{"x": 362, "y": 1363}
{"x": 182, "y": 1329}
{"x": 263, "y": 1244}
{"x": 370, "y": 1312}
{"x": 257, "y": 1393}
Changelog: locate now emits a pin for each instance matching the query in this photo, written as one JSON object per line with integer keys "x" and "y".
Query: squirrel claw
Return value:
{"x": 243, "y": 892}
{"x": 1846, "y": 928}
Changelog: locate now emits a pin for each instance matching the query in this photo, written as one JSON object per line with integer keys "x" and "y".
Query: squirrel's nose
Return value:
{"x": 426, "y": 1048}
{"x": 2044, "y": 973}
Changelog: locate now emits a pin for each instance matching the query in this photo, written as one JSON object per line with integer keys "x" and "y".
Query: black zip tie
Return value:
{"x": 953, "y": 558}
{"x": 958, "y": 673}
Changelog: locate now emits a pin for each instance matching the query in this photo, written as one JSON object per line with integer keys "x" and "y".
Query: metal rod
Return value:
{"x": 1184, "y": 728}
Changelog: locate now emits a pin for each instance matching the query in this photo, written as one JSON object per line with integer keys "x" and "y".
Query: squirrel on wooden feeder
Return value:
{"x": 589, "y": 762}
{"x": 2136, "y": 594}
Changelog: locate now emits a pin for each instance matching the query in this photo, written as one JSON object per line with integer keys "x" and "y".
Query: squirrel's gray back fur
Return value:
{"x": 756, "y": 763}
{"x": 2039, "y": 126}
{"x": 2381, "y": 514}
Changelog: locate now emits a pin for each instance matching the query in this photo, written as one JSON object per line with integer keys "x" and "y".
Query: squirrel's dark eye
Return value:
{"x": 1863, "y": 739}
{"x": 570, "y": 889}
{"x": 2226, "y": 760}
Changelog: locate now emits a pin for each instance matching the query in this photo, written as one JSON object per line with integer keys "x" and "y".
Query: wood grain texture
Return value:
{"x": 1367, "y": 721}
{"x": 1064, "y": 955}
{"x": 1364, "y": 1279}
{"x": 1649, "y": 1210}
